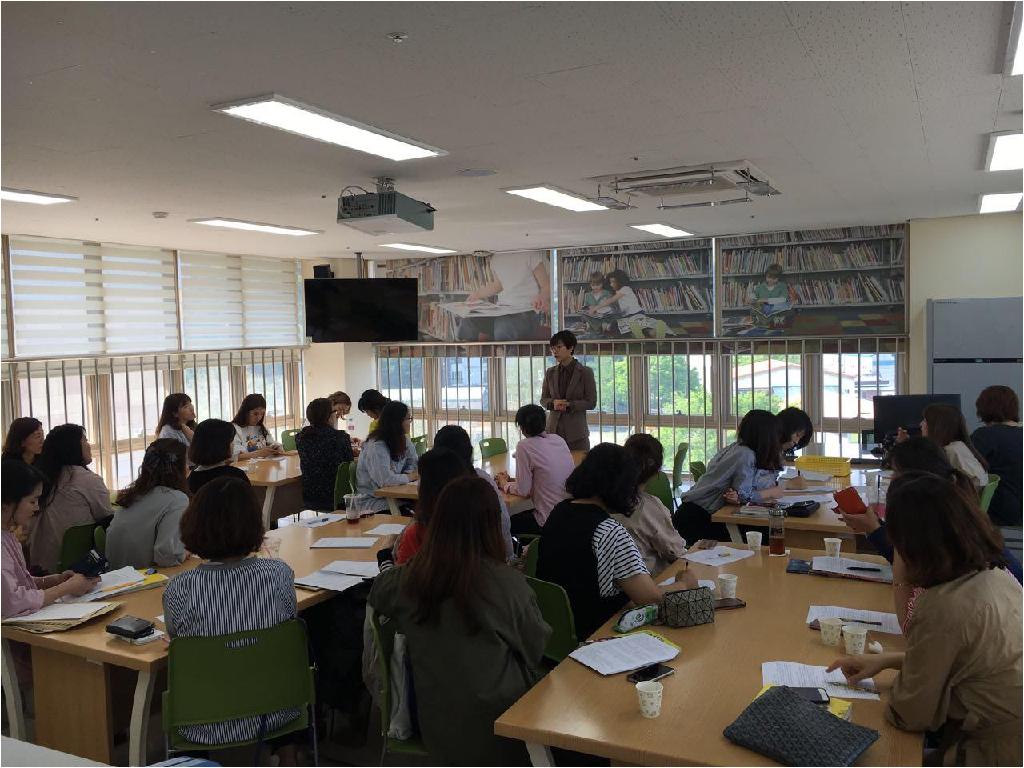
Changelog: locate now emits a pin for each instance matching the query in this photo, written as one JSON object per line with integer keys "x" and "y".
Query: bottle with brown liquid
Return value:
{"x": 776, "y": 532}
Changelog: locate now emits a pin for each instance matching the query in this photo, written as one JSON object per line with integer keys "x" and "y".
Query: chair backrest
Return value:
{"x": 659, "y": 486}
{"x": 288, "y": 439}
{"x": 697, "y": 468}
{"x": 384, "y": 641}
{"x": 677, "y": 466}
{"x": 99, "y": 539}
{"x": 492, "y": 446}
{"x": 343, "y": 482}
{"x": 532, "y": 556}
{"x": 245, "y": 674}
{"x": 555, "y": 608}
{"x": 77, "y": 541}
{"x": 988, "y": 492}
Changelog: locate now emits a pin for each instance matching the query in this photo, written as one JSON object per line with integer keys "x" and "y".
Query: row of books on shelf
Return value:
{"x": 812, "y": 235}
{"x": 643, "y": 267}
{"x": 657, "y": 245}
{"x": 462, "y": 273}
{"x": 855, "y": 289}
{"x": 662, "y": 298}
{"x": 796, "y": 258}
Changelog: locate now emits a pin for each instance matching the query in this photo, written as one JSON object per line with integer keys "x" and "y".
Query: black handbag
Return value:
{"x": 687, "y": 608}
{"x": 785, "y": 727}
{"x": 800, "y": 508}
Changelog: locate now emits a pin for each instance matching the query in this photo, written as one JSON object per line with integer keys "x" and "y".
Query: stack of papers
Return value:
{"x": 60, "y": 616}
{"x": 386, "y": 529}
{"x": 343, "y": 542}
{"x": 626, "y": 653}
{"x": 324, "y": 579}
{"x": 876, "y": 621}
{"x": 359, "y": 568}
{"x": 798, "y": 675}
{"x": 118, "y": 582}
{"x": 324, "y": 518}
{"x": 718, "y": 556}
{"x": 851, "y": 569}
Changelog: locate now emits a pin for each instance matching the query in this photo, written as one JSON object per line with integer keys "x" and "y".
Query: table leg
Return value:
{"x": 734, "y": 533}
{"x": 12, "y": 694}
{"x": 268, "y": 506}
{"x": 139, "y": 728}
{"x": 393, "y": 506}
{"x": 540, "y": 754}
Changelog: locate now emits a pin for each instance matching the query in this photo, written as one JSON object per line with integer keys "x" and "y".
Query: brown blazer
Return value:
{"x": 570, "y": 425}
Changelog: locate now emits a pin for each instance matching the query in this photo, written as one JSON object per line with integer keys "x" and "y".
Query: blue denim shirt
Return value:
{"x": 735, "y": 466}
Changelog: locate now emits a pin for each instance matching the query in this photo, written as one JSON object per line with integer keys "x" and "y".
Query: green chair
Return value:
{"x": 245, "y": 674}
{"x": 659, "y": 486}
{"x": 384, "y": 642}
{"x": 492, "y": 446}
{"x": 988, "y": 492}
{"x": 697, "y": 468}
{"x": 99, "y": 539}
{"x": 532, "y": 555}
{"x": 555, "y": 608}
{"x": 420, "y": 444}
{"x": 677, "y": 466}
{"x": 77, "y": 541}
{"x": 288, "y": 439}
{"x": 343, "y": 482}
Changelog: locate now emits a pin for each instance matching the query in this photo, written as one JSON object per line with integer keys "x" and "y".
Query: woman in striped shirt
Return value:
{"x": 230, "y": 592}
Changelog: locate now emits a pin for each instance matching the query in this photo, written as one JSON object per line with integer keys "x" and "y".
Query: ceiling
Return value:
{"x": 860, "y": 113}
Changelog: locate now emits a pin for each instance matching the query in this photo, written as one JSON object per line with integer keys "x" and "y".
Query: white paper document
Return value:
{"x": 709, "y": 583}
{"x": 353, "y": 568}
{"x": 336, "y": 582}
{"x": 59, "y": 612}
{"x": 324, "y": 518}
{"x": 858, "y": 569}
{"x": 110, "y": 584}
{"x": 343, "y": 542}
{"x": 876, "y": 621}
{"x": 718, "y": 556}
{"x": 160, "y": 618}
{"x": 482, "y": 309}
{"x": 385, "y": 529}
{"x": 798, "y": 675}
{"x": 816, "y": 477}
{"x": 821, "y": 498}
{"x": 626, "y": 653}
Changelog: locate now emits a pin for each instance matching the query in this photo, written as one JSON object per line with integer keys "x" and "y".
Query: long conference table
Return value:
{"x": 78, "y": 675}
{"x": 279, "y": 480}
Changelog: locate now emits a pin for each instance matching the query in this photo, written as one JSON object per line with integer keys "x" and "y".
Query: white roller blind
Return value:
{"x": 238, "y": 301}
{"x": 5, "y": 349}
{"x": 75, "y": 298}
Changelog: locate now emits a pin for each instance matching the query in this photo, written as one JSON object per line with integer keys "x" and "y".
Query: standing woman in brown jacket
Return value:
{"x": 568, "y": 393}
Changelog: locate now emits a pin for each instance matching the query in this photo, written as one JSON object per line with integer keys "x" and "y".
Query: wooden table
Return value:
{"x": 270, "y": 474}
{"x": 72, "y": 670}
{"x": 718, "y": 673}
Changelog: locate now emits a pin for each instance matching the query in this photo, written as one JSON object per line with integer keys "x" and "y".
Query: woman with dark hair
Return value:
{"x": 631, "y": 318}
{"x": 543, "y": 462}
{"x": 918, "y": 454}
{"x": 797, "y": 429}
{"x": 588, "y": 553}
{"x": 230, "y": 592}
{"x": 146, "y": 530}
{"x": 960, "y": 675}
{"x": 746, "y": 471}
{"x": 322, "y": 448}
{"x": 24, "y": 440}
{"x": 72, "y": 495}
{"x": 650, "y": 522}
{"x": 475, "y": 633}
{"x": 455, "y": 438}
{"x": 20, "y": 490}
{"x": 177, "y": 418}
{"x": 372, "y": 402}
{"x": 1000, "y": 443}
{"x": 946, "y": 426}
{"x": 388, "y": 458}
{"x": 211, "y": 454}
{"x": 252, "y": 440}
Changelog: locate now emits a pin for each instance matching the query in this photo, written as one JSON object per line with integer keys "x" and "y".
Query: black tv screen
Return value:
{"x": 362, "y": 309}
{"x": 893, "y": 412}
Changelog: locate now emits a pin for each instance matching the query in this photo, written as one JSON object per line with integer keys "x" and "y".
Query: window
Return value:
{"x": 402, "y": 379}
{"x": 465, "y": 384}
{"x": 53, "y": 398}
{"x": 208, "y": 383}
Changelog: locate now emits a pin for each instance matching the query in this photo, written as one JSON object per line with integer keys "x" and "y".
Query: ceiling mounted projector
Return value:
{"x": 384, "y": 212}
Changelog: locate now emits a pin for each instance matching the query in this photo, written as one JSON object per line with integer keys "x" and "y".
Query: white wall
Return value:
{"x": 961, "y": 257}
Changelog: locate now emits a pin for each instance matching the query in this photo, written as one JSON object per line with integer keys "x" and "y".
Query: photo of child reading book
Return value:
{"x": 630, "y": 319}
{"x": 771, "y": 301}
{"x": 596, "y": 295}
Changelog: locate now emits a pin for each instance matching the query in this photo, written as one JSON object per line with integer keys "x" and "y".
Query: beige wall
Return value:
{"x": 962, "y": 257}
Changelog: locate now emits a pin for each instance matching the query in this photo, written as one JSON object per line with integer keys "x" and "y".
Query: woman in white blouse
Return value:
{"x": 946, "y": 426}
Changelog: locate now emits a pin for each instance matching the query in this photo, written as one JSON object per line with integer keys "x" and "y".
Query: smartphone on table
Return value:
{"x": 650, "y": 673}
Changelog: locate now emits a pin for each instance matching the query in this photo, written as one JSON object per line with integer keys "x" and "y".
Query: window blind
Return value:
{"x": 75, "y": 298}
{"x": 238, "y": 301}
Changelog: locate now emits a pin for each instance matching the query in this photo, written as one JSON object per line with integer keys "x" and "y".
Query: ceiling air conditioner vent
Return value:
{"x": 707, "y": 179}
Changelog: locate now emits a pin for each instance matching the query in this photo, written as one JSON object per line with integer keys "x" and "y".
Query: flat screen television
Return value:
{"x": 371, "y": 309}
{"x": 895, "y": 411}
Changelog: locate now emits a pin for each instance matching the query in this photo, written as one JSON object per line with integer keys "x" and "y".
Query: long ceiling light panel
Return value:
{"x": 422, "y": 248}
{"x": 1000, "y": 203}
{"x": 295, "y": 117}
{"x": 556, "y": 197}
{"x": 37, "y": 198}
{"x": 664, "y": 230}
{"x": 254, "y": 226}
{"x": 1005, "y": 152}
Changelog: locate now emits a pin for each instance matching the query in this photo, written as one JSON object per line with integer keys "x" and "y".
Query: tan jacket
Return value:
{"x": 651, "y": 527}
{"x": 962, "y": 671}
{"x": 570, "y": 425}
{"x": 81, "y": 497}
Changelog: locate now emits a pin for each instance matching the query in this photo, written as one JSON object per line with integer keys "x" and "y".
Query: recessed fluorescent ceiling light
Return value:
{"x": 39, "y": 198}
{"x": 253, "y": 226}
{"x": 1006, "y": 152}
{"x": 999, "y": 203}
{"x": 1018, "y": 56}
{"x": 555, "y": 197}
{"x": 296, "y": 117}
{"x": 411, "y": 247}
{"x": 662, "y": 229}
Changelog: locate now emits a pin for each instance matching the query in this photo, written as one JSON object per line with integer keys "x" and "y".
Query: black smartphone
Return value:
{"x": 650, "y": 673}
{"x": 130, "y": 627}
{"x": 725, "y": 603}
{"x": 813, "y": 695}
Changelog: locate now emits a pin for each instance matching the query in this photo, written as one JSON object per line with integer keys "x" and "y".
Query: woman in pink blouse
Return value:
{"x": 23, "y": 593}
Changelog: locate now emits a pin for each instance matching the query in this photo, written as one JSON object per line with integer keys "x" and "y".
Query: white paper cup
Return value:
{"x": 856, "y": 638}
{"x": 650, "y": 693}
{"x": 754, "y": 541}
{"x": 832, "y": 547}
{"x": 727, "y": 584}
{"x": 831, "y": 631}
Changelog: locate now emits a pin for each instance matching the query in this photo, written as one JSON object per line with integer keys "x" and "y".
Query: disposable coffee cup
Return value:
{"x": 351, "y": 513}
{"x": 856, "y": 638}
{"x": 727, "y": 585}
{"x": 649, "y": 693}
{"x": 754, "y": 541}
{"x": 832, "y": 547}
{"x": 831, "y": 631}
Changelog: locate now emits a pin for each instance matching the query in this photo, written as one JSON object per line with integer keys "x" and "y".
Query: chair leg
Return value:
{"x": 312, "y": 723}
